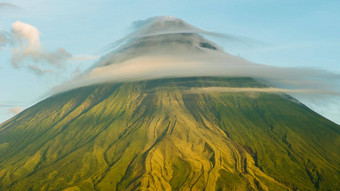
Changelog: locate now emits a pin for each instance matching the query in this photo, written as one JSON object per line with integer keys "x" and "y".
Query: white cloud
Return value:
{"x": 260, "y": 90}
{"x": 39, "y": 71}
{"x": 84, "y": 57}
{"x": 27, "y": 51}
{"x": 4, "y": 38}
{"x": 23, "y": 31}
{"x": 166, "y": 47}
{"x": 27, "y": 46}
{"x": 206, "y": 63}
{"x": 15, "y": 110}
{"x": 8, "y": 6}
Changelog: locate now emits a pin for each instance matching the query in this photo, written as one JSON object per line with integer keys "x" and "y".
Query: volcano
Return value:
{"x": 172, "y": 131}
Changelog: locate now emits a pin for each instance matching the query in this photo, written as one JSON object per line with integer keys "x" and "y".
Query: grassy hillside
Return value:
{"x": 157, "y": 135}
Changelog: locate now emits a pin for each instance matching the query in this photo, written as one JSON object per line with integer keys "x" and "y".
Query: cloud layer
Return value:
{"x": 166, "y": 47}
{"x": 260, "y": 90}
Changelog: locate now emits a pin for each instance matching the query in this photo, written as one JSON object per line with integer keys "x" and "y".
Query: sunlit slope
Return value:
{"x": 157, "y": 135}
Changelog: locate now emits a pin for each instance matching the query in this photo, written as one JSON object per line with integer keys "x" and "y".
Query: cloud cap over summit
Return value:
{"x": 163, "y": 47}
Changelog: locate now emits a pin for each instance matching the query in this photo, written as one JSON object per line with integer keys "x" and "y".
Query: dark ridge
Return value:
{"x": 207, "y": 45}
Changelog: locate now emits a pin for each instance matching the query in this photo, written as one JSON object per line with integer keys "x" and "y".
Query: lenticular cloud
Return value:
{"x": 166, "y": 47}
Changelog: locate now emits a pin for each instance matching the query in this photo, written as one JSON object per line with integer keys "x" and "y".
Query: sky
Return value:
{"x": 72, "y": 35}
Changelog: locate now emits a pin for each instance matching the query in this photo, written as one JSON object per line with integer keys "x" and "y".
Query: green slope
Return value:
{"x": 157, "y": 135}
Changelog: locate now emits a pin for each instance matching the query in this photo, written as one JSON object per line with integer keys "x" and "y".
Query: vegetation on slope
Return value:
{"x": 156, "y": 135}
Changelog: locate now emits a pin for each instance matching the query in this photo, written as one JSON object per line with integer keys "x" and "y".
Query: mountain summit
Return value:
{"x": 162, "y": 126}
{"x": 159, "y": 35}
{"x": 164, "y": 47}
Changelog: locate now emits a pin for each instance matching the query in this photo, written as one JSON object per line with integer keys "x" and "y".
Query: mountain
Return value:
{"x": 160, "y": 135}
{"x": 167, "y": 109}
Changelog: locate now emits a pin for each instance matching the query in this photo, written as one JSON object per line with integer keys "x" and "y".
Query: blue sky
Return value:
{"x": 298, "y": 34}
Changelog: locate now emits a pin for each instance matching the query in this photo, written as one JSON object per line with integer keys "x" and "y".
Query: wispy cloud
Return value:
{"x": 8, "y": 5}
{"x": 15, "y": 110}
{"x": 165, "y": 47}
{"x": 154, "y": 27}
{"x": 294, "y": 46}
{"x": 9, "y": 10}
{"x": 24, "y": 41}
{"x": 188, "y": 63}
{"x": 260, "y": 90}
{"x": 38, "y": 71}
{"x": 6, "y": 105}
{"x": 84, "y": 57}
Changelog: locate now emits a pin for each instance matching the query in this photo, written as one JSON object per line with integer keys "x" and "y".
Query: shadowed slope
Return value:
{"x": 157, "y": 135}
